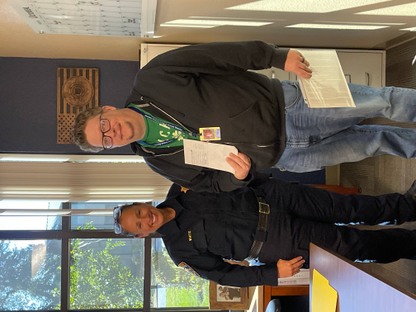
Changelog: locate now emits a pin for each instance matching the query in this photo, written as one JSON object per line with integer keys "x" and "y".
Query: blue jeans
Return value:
{"x": 319, "y": 137}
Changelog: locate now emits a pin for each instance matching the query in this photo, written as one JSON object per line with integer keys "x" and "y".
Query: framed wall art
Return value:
{"x": 77, "y": 90}
{"x": 228, "y": 297}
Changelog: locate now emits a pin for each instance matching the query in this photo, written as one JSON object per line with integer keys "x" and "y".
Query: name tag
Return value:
{"x": 210, "y": 134}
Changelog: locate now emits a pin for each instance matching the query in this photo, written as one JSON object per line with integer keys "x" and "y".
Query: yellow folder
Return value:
{"x": 324, "y": 296}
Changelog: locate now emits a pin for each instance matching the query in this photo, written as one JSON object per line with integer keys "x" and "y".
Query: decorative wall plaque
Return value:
{"x": 77, "y": 90}
{"x": 228, "y": 297}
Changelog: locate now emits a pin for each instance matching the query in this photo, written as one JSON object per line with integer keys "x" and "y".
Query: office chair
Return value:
{"x": 274, "y": 306}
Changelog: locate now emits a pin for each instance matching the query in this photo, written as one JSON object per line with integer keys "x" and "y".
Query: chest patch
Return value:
{"x": 188, "y": 268}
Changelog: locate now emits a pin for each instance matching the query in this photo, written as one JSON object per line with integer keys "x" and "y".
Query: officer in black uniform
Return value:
{"x": 273, "y": 222}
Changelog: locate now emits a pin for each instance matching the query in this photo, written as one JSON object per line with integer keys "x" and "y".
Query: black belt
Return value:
{"x": 261, "y": 231}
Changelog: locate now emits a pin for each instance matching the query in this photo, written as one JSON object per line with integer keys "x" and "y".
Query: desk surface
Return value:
{"x": 358, "y": 291}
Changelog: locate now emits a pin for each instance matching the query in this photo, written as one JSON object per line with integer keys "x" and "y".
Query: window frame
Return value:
{"x": 65, "y": 235}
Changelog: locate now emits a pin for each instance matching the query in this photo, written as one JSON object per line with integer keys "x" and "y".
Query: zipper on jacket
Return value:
{"x": 150, "y": 103}
{"x": 161, "y": 155}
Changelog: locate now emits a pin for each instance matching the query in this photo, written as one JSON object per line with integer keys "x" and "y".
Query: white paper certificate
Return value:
{"x": 327, "y": 87}
{"x": 207, "y": 154}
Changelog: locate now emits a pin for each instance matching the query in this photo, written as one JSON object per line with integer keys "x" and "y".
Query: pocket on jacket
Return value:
{"x": 198, "y": 236}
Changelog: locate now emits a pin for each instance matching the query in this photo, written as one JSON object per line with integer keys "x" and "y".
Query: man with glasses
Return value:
{"x": 273, "y": 223}
{"x": 205, "y": 86}
{"x": 105, "y": 126}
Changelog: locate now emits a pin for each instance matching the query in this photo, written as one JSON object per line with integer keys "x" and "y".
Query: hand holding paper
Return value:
{"x": 241, "y": 164}
{"x": 296, "y": 63}
{"x": 210, "y": 155}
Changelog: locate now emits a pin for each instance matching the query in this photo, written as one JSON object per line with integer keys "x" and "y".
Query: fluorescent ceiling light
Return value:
{"x": 305, "y": 6}
{"x": 338, "y": 26}
{"x": 408, "y": 9}
{"x": 213, "y": 23}
{"x": 359, "y": 23}
{"x": 183, "y": 25}
{"x": 409, "y": 29}
{"x": 229, "y": 18}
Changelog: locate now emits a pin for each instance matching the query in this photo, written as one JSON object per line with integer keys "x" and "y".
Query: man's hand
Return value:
{"x": 297, "y": 64}
{"x": 289, "y": 268}
{"x": 241, "y": 163}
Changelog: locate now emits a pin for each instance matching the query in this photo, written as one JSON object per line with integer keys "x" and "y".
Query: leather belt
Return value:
{"x": 261, "y": 231}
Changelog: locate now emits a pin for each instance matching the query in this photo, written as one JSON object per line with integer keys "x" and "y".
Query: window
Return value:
{"x": 30, "y": 275}
{"x": 29, "y": 222}
{"x": 106, "y": 273}
{"x": 170, "y": 285}
{"x": 77, "y": 262}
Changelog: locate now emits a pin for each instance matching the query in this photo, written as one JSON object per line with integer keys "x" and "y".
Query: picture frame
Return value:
{"x": 228, "y": 297}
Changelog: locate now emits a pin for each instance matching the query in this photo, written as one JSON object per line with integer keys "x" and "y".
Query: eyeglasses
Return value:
{"x": 105, "y": 126}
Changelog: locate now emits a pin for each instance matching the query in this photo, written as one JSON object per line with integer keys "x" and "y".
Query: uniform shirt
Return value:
{"x": 211, "y": 227}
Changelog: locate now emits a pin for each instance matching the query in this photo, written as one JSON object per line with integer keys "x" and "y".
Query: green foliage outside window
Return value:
{"x": 183, "y": 288}
{"x": 104, "y": 274}
{"x": 98, "y": 279}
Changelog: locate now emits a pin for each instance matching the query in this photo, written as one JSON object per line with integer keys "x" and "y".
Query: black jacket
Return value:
{"x": 210, "y": 227}
{"x": 210, "y": 85}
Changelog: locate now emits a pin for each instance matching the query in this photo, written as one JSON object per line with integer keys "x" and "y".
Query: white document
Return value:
{"x": 301, "y": 278}
{"x": 327, "y": 87}
{"x": 209, "y": 155}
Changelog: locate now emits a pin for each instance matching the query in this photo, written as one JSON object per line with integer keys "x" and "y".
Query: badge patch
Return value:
{"x": 189, "y": 236}
{"x": 188, "y": 268}
{"x": 184, "y": 189}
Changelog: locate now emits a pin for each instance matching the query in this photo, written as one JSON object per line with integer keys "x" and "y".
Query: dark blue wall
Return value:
{"x": 28, "y": 101}
{"x": 28, "y": 105}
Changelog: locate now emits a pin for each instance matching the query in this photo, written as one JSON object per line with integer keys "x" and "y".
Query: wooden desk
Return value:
{"x": 358, "y": 291}
{"x": 286, "y": 290}
{"x": 260, "y": 296}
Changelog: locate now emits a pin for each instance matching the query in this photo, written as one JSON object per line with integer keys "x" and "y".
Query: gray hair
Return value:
{"x": 78, "y": 136}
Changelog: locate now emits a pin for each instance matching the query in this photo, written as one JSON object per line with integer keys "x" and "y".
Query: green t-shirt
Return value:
{"x": 161, "y": 133}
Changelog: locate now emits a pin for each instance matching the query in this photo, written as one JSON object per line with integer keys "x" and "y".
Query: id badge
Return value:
{"x": 210, "y": 134}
